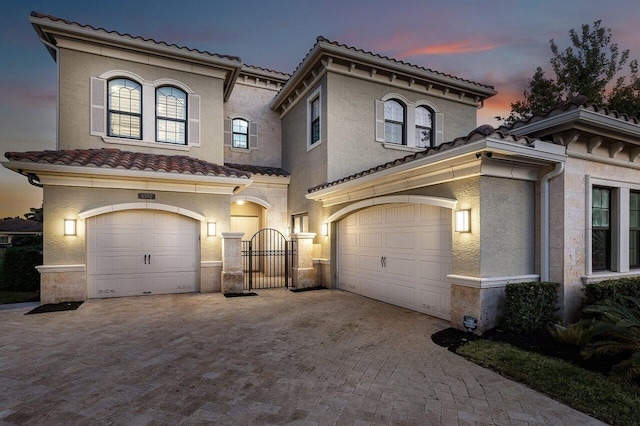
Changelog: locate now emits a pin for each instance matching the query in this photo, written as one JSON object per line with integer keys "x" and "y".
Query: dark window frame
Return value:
{"x": 403, "y": 123}
{"x": 159, "y": 117}
{"x": 234, "y": 133}
{"x": 111, "y": 111}
{"x": 315, "y": 121}
{"x": 430, "y": 142}
{"x": 600, "y": 233}
{"x": 634, "y": 231}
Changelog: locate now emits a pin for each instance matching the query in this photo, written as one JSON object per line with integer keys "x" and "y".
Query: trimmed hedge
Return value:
{"x": 530, "y": 307}
{"x": 20, "y": 272}
{"x": 611, "y": 290}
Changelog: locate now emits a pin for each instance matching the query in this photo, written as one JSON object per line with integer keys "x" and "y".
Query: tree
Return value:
{"x": 34, "y": 214}
{"x": 587, "y": 67}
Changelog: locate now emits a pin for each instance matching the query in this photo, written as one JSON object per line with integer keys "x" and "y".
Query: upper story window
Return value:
{"x": 300, "y": 222}
{"x": 634, "y": 229}
{"x": 601, "y": 229}
{"x": 240, "y": 133}
{"x": 124, "y": 118}
{"x": 424, "y": 127}
{"x": 171, "y": 115}
{"x": 394, "y": 122}
{"x": 315, "y": 120}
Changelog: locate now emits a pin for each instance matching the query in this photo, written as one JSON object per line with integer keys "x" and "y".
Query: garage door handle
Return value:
{"x": 145, "y": 259}
{"x": 149, "y": 259}
{"x": 383, "y": 261}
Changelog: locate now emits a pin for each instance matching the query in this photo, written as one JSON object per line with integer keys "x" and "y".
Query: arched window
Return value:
{"x": 240, "y": 133}
{"x": 171, "y": 115}
{"x": 424, "y": 127}
{"x": 394, "y": 122}
{"x": 124, "y": 118}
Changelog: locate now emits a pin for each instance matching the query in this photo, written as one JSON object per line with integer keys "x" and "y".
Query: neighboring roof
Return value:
{"x": 259, "y": 170}
{"x": 19, "y": 225}
{"x": 117, "y": 159}
{"x": 575, "y": 103}
{"x": 254, "y": 68}
{"x": 479, "y": 133}
{"x": 132, "y": 37}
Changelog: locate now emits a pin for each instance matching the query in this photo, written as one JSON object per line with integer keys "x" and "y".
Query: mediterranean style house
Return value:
{"x": 375, "y": 166}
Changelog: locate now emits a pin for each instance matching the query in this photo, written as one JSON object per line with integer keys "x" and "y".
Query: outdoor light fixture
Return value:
{"x": 287, "y": 231}
{"x": 211, "y": 229}
{"x": 240, "y": 202}
{"x": 69, "y": 227}
{"x": 325, "y": 229}
{"x": 463, "y": 221}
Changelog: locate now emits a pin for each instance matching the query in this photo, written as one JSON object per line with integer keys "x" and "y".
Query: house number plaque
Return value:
{"x": 146, "y": 196}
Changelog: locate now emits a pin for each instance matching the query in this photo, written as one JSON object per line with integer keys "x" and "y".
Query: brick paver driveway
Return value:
{"x": 321, "y": 357}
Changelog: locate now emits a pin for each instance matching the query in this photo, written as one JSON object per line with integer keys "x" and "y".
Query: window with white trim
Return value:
{"x": 240, "y": 133}
{"x": 424, "y": 126}
{"x": 123, "y": 111}
{"x": 601, "y": 229}
{"x": 171, "y": 115}
{"x": 314, "y": 119}
{"x": 124, "y": 117}
{"x": 394, "y": 119}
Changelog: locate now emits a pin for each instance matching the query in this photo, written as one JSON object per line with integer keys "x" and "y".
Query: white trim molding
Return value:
{"x": 490, "y": 282}
{"x": 211, "y": 264}
{"x": 251, "y": 199}
{"x": 394, "y": 199}
{"x": 140, "y": 206}
{"x": 43, "y": 269}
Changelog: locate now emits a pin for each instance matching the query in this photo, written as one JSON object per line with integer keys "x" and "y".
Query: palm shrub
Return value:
{"x": 616, "y": 331}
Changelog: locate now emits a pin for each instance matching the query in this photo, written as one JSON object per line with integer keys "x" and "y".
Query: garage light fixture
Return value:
{"x": 240, "y": 202}
{"x": 211, "y": 229}
{"x": 69, "y": 227}
{"x": 463, "y": 221}
{"x": 325, "y": 229}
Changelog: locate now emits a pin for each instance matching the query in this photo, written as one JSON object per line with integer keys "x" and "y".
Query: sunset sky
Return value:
{"x": 493, "y": 42}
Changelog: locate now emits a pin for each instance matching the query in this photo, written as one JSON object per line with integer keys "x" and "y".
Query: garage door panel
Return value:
{"x": 416, "y": 242}
{"x": 165, "y": 283}
{"x": 118, "y": 240}
{"x": 108, "y": 264}
{"x": 117, "y": 285}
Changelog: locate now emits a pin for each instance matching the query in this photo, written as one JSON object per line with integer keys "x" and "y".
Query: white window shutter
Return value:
{"x": 379, "y": 121}
{"x": 98, "y": 106}
{"x": 253, "y": 135}
{"x": 227, "y": 132}
{"x": 439, "y": 129}
{"x": 193, "y": 107}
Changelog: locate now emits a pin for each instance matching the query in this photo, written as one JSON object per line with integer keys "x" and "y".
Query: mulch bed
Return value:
{"x": 540, "y": 342}
{"x": 239, "y": 294}
{"x": 55, "y": 307}
{"x": 299, "y": 290}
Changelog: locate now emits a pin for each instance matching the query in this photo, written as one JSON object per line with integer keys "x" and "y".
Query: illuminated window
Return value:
{"x": 394, "y": 122}
{"x": 240, "y": 133}
{"x": 125, "y": 109}
{"x": 171, "y": 115}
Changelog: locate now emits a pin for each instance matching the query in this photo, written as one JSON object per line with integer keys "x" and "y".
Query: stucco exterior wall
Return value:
{"x": 252, "y": 102}
{"x": 76, "y": 70}
{"x": 352, "y": 143}
{"x": 66, "y": 202}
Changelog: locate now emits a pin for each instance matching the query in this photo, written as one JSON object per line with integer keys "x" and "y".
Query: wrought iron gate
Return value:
{"x": 267, "y": 260}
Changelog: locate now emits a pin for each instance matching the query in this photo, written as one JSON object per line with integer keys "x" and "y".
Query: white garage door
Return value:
{"x": 138, "y": 252}
{"x": 399, "y": 254}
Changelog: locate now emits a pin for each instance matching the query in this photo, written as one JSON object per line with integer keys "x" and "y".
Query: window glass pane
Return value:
{"x": 315, "y": 109}
{"x": 634, "y": 210}
{"x": 423, "y": 137}
{"x": 171, "y": 103}
{"x": 240, "y": 126}
{"x": 171, "y": 131}
{"x": 634, "y": 248}
{"x": 393, "y": 111}
{"x": 393, "y": 132}
{"x": 124, "y": 96}
{"x": 600, "y": 250}
{"x": 423, "y": 117}
{"x": 239, "y": 140}
{"x": 315, "y": 131}
{"x": 601, "y": 208}
{"x": 125, "y": 126}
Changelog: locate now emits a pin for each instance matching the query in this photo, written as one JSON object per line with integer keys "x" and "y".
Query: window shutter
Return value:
{"x": 379, "y": 121}
{"x": 98, "y": 106}
{"x": 439, "y": 129}
{"x": 193, "y": 105}
{"x": 227, "y": 132}
{"x": 253, "y": 135}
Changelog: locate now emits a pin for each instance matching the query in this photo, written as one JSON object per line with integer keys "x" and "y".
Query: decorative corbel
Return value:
{"x": 615, "y": 149}
{"x": 594, "y": 143}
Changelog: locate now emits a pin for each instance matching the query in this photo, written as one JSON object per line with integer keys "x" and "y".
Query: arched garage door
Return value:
{"x": 137, "y": 252}
{"x": 399, "y": 254}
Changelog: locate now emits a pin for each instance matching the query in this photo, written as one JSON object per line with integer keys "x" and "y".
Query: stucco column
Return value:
{"x": 232, "y": 273}
{"x": 304, "y": 274}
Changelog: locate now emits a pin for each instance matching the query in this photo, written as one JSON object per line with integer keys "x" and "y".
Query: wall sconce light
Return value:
{"x": 325, "y": 229}
{"x": 463, "y": 221}
{"x": 69, "y": 227}
{"x": 211, "y": 229}
{"x": 240, "y": 202}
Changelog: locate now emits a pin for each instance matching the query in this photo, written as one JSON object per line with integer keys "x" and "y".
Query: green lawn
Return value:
{"x": 592, "y": 393}
{"x": 18, "y": 296}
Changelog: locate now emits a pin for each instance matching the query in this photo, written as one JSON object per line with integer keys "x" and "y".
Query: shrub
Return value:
{"x": 614, "y": 290}
{"x": 530, "y": 307}
{"x": 20, "y": 272}
{"x": 578, "y": 334}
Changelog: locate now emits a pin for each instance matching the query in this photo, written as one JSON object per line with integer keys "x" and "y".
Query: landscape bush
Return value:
{"x": 20, "y": 272}
{"x": 613, "y": 290}
{"x": 530, "y": 307}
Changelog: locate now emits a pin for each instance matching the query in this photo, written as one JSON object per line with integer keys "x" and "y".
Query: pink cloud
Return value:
{"x": 455, "y": 48}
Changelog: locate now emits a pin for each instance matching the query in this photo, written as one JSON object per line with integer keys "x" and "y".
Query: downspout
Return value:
{"x": 55, "y": 48}
{"x": 544, "y": 220}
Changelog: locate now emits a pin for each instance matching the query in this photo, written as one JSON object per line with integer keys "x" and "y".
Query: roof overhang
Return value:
{"x": 94, "y": 177}
{"x": 52, "y": 31}
{"x": 488, "y": 156}
{"x": 581, "y": 119}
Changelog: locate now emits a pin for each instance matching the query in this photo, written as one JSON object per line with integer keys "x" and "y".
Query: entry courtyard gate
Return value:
{"x": 267, "y": 260}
